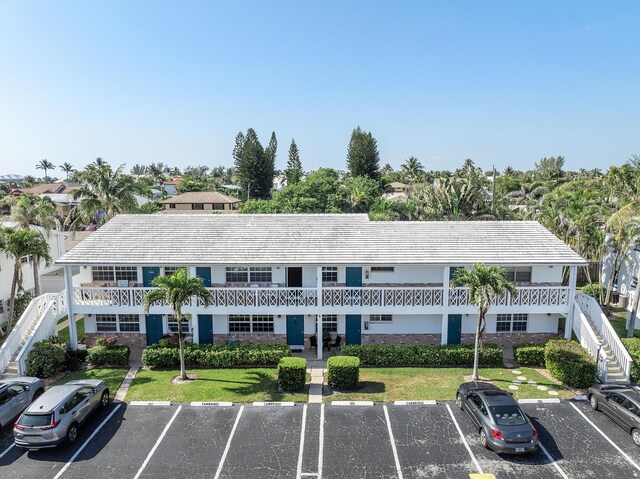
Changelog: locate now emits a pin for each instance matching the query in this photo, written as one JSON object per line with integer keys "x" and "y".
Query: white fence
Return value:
{"x": 527, "y": 296}
{"x": 591, "y": 308}
{"x": 588, "y": 338}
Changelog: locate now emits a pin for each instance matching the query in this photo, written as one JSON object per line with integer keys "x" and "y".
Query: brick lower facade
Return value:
{"x": 400, "y": 339}
{"x": 137, "y": 340}
{"x": 509, "y": 339}
{"x": 251, "y": 338}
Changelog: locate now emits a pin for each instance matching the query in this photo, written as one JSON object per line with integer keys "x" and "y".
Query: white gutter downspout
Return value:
{"x": 73, "y": 333}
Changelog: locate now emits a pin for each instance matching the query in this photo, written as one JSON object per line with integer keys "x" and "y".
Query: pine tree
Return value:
{"x": 363, "y": 158}
{"x": 294, "y": 167}
{"x": 254, "y": 165}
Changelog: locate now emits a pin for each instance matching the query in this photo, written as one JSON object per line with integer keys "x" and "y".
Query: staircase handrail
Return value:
{"x": 585, "y": 333}
{"x": 600, "y": 320}
{"x": 44, "y": 328}
{"x": 20, "y": 329}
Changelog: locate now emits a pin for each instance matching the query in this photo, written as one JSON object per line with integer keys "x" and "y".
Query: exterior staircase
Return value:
{"x": 38, "y": 322}
{"x": 615, "y": 374}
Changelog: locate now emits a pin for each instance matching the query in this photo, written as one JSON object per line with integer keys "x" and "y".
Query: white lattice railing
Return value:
{"x": 28, "y": 322}
{"x": 589, "y": 340}
{"x": 590, "y": 307}
{"x": 366, "y": 296}
{"x": 527, "y": 296}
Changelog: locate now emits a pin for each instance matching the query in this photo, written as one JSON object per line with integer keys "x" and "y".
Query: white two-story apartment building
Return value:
{"x": 283, "y": 278}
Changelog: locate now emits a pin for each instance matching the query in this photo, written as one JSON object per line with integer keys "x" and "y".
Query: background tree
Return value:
{"x": 175, "y": 290}
{"x": 254, "y": 166}
{"x": 484, "y": 283}
{"x": 550, "y": 168}
{"x": 363, "y": 158}
{"x": 67, "y": 168}
{"x": 412, "y": 169}
{"x": 294, "y": 166}
{"x": 45, "y": 165}
{"x": 36, "y": 211}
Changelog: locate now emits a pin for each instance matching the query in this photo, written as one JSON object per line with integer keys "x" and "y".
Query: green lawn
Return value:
{"x": 618, "y": 319}
{"x": 235, "y": 385}
{"x": 64, "y": 333}
{"x": 440, "y": 384}
{"x": 112, "y": 376}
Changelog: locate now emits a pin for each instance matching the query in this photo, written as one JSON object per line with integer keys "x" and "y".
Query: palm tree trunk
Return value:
{"x": 36, "y": 276}
{"x": 183, "y": 371}
{"x": 12, "y": 298}
{"x": 476, "y": 354}
{"x": 614, "y": 270}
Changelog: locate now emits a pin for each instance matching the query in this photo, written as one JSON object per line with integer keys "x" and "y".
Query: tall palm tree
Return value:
{"x": 412, "y": 169}
{"x": 67, "y": 168}
{"x": 99, "y": 162}
{"x": 45, "y": 165}
{"x": 17, "y": 244}
{"x": 176, "y": 290}
{"x": 484, "y": 283}
{"x": 105, "y": 193}
{"x": 29, "y": 211}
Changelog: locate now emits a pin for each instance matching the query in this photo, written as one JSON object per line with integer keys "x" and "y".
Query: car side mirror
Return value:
{"x": 27, "y": 388}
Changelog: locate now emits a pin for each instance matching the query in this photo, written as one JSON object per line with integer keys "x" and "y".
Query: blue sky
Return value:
{"x": 501, "y": 82}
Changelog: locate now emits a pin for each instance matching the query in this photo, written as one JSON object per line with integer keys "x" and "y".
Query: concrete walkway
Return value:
{"x": 317, "y": 371}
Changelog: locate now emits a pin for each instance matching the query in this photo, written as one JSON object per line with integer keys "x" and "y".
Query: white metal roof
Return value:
{"x": 315, "y": 239}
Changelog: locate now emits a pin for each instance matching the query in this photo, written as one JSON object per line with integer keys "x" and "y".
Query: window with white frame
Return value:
{"x": 172, "y": 323}
{"x": 519, "y": 274}
{"x": 171, "y": 270}
{"x": 247, "y": 323}
{"x": 260, "y": 274}
{"x": 239, "y": 323}
{"x": 329, "y": 274}
{"x": 237, "y": 274}
{"x": 106, "y": 323}
{"x": 26, "y": 259}
{"x": 380, "y": 318}
{"x": 129, "y": 323}
{"x": 382, "y": 269}
{"x": 508, "y": 323}
{"x": 112, "y": 274}
{"x": 329, "y": 323}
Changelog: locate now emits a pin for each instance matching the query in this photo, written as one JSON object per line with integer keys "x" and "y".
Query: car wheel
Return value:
{"x": 594, "y": 402}
{"x": 104, "y": 400}
{"x": 483, "y": 438}
{"x": 72, "y": 433}
{"x": 459, "y": 400}
{"x": 635, "y": 435}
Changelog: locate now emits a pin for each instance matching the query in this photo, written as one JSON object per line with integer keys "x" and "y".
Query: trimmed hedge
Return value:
{"x": 343, "y": 372}
{"x": 423, "y": 355}
{"x": 292, "y": 374}
{"x": 633, "y": 346}
{"x": 46, "y": 359}
{"x": 114, "y": 357}
{"x": 216, "y": 355}
{"x": 570, "y": 363}
{"x": 529, "y": 354}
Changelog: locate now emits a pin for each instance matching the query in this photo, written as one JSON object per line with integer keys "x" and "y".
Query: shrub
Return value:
{"x": 46, "y": 359}
{"x": 570, "y": 363}
{"x": 529, "y": 354}
{"x": 423, "y": 354}
{"x": 216, "y": 356}
{"x": 107, "y": 343}
{"x": 594, "y": 290}
{"x": 292, "y": 374}
{"x": 75, "y": 358}
{"x": 633, "y": 346}
{"x": 116, "y": 357}
{"x": 343, "y": 372}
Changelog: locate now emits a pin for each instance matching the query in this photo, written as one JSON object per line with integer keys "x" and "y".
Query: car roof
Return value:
{"x": 480, "y": 386}
{"x": 50, "y": 399}
{"x": 498, "y": 398}
{"x": 18, "y": 380}
{"x": 86, "y": 382}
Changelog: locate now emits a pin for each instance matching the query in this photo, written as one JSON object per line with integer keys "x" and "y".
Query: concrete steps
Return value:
{"x": 615, "y": 374}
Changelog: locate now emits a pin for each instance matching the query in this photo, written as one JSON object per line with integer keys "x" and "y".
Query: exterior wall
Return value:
{"x": 404, "y": 324}
{"x": 137, "y": 340}
{"x": 252, "y": 338}
{"x": 401, "y": 339}
{"x": 546, "y": 274}
{"x": 508, "y": 339}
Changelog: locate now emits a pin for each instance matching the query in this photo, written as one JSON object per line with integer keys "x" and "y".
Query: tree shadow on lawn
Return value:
{"x": 258, "y": 383}
{"x": 365, "y": 387}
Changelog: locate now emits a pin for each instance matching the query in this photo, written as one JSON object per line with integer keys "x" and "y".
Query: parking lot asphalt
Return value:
{"x": 323, "y": 441}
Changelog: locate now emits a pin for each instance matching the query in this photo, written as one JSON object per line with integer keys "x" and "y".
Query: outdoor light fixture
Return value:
{"x": 366, "y": 273}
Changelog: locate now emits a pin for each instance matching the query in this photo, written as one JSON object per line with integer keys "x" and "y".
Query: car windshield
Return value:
{"x": 35, "y": 420}
{"x": 507, "y": 415}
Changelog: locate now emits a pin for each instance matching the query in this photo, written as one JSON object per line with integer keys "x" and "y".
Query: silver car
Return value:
{"x": 55, "y": 416}
{"x": 15, "y": 395}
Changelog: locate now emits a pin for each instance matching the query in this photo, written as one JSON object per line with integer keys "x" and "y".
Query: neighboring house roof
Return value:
{"x": 61, "y": 199}
{"x": 205, "y": 197}
{"x": 396, "y": 196}
{"x": 397, "y": 184}
{"x": 316, "y": 239}
{"x": 11, "y": 178}
{"x": 61, "y": 187}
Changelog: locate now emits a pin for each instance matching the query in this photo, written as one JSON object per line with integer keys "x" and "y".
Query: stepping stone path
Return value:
{"x": 532, "y": 383}
{"x": 513, "y": 387}
{"x": 515, "y": 371}
{"x": 553, "y": 393}
{"x": 522, "y": 378}
{"x": 515, "y": 381}
{"x": 543, "y": 388}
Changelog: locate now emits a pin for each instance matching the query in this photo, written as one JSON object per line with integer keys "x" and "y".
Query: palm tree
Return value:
{"x": 99, "y": 162}
{"x": 484, "y": 283}
{"x": 105, "y": 194}
{"x": 412, "y": 169}
{"x": 34, "y": 211}
{"x": 176, "y": 290}
{"x": 67, "y": 168}
{"x": 17, "y": 244}
{"x": 45, "y": 165}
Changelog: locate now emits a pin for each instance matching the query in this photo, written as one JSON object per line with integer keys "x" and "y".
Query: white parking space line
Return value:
{"x": 321, "y": 445}
{"x": 464, "y": 441}
{"x": 631, "y": 461}
{"x": 393, "y": 442}
{"x": 73, "y": 458}
{"x": 228, "y": 446}
{"x": 7, "y": 450}
{"x": 553, "y": 461}
{"x": 304, "y": 424}
{"x": 155, "y": 446}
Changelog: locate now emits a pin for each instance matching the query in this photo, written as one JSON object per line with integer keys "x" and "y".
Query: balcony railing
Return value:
{"x": 388, "y": 296}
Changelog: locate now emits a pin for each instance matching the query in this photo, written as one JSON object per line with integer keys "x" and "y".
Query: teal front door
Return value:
{"x": 204, "y": 273}
{"x": 354, "y": 277}
{"x": 353, "y": 328}
{"x": 205, "y": 329}
{"x": 295, "y": 330}
{"x": 148, "y": 273}
{"x": 154, "y": 328}
{"x": 454, "y": 329}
